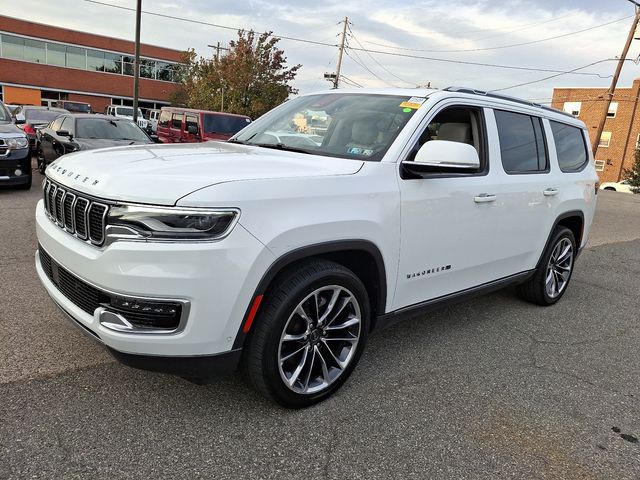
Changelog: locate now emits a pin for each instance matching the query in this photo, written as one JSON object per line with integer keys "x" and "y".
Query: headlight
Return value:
{"x": 16, "y": 142}
{"x": 173, "y": 223}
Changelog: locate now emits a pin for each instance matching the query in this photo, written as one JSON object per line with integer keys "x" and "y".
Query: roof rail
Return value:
{"x": 509, "y": 98}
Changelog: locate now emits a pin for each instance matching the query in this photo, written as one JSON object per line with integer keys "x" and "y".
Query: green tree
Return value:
{"x": 250, "y": 80}
{"x": 633, "y": 174}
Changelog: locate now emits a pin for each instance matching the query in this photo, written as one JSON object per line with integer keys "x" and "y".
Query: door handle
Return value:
{"x": 550, "y": 192}
{"x": 484, "y": 198}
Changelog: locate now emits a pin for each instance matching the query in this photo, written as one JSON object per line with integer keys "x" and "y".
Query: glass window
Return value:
{"x": 521, "y": 142}
{"x": 147, "y": 68}
{"x": 34, "y": 51}
{"x": 95, "y": 60}
{"x": 570, "y": 147}
{"x": 12, "y": 47}
{"x": 191, "y": 121}
{"x": 165, "y": 117}
{"x": 359, "y": 126}
{"x": 38, "y": 115}
{"x": 110, "y": 129}
{"x": 572, "y": 107}
{"x": 56, "y": 54}
{"x": 227, "y": 124}
{"x": 163, "y": 71}
{"x": 112, "y": 63}
{"x": 56, "y": 124}
{"x": 599, "y": 165}
{"x": 76, "y": 57}
{"x": 613, "y": 109}
{"x": 605, "y": 139}
{"x": 67, "y": 124}
{"x": 176, "y": 121}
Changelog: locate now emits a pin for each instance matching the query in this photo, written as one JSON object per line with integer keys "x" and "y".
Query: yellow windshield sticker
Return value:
{"x": 413, "y": 102}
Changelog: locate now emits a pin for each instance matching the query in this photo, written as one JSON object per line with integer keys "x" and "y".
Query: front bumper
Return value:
{"x": 10, "y": 162}
{"x": 217, "y": 279}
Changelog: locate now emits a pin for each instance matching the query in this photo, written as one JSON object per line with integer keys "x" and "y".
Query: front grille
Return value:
{"x": 88, "y": 298}
{"x": 78, "y": 215}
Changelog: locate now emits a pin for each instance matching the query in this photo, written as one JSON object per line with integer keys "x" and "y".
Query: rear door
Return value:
{"x": 177, "y": 127}
{"x": 163, "y": 129}
{"x": 191, "y": 121}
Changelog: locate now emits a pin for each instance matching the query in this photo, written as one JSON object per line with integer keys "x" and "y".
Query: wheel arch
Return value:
{"x": 574, "y": 221}
{"x": 362, "y": 257}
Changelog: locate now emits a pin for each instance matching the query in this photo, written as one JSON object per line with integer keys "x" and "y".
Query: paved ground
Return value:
{"x": 492, "y": 388}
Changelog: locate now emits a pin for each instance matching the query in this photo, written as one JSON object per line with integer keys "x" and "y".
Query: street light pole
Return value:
{"x": 136, "y": 64}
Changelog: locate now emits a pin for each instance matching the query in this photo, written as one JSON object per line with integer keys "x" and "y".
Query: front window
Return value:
{"x": 346, "y": 125}
{"x": 109, "y": 129}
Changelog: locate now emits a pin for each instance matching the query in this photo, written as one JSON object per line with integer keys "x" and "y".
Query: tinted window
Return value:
{"x": 163, "y": 121}
{"x": 176, "y": 121}
{"x": 42, "y": 116}
{"x": 570, "y": 147}
{"x": 109, "y": 129}
{"x": 224, "y": 123}
{"x": 77, "y": 107}
{"x": 67, "y": 124}
{"x": 521, "y": 142}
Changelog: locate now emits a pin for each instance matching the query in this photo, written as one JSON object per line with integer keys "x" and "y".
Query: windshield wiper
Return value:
{"x": 233, "y": 140}
{"x": 280, "y": 146}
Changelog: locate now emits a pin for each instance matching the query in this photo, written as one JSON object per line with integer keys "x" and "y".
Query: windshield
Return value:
{"x": 347, "y": 125}
{"x": 77, "y": 107}
{"x": 215, "y": 123}
{"x": 44, "y": 116}
{"x": 4, "y": 114}
{"x": 109, "y": 129}
{"x": 127, "y": 112}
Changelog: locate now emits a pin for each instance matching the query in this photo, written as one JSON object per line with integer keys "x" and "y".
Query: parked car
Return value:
{"x": 15, "y": 161}
{"x": 30, "y": 119}
{"x": 177, "y": 125}
{"x": 622, "y": 186}
{"x": 196, "y": 259}
{"x": 153, "y": 120}
{"x": 74, "y": 107}
{"x": 81, "y": 131}
{"x": 120, "y": 111}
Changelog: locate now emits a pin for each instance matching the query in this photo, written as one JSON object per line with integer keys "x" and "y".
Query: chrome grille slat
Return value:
{"x": 78, "y": 215}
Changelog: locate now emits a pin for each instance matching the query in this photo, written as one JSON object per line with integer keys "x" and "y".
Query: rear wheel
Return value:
{"x": 309, "y": 335}
{"x": 553, "y": 274}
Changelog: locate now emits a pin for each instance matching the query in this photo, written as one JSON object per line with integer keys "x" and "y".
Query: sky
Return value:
{"x": 451, "y": 30}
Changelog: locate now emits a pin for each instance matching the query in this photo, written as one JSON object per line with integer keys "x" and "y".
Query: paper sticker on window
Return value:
{"x": 360, "y": 151}
{"x": 413, "y": 102}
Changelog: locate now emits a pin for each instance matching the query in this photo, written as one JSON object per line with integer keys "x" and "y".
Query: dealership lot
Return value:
{"x": 490, "y": 388}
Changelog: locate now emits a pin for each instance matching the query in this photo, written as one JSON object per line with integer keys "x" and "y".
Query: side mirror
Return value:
{"x": 63, "y": 133}
{"x": 444, "y": 156}
{"x": 192, "y": 129}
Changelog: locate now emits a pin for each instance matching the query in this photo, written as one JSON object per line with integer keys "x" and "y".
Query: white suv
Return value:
{"x": 282, "y": 257}
{"x": 119, "y": 111}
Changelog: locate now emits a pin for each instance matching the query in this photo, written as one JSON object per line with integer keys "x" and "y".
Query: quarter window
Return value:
{"x": 570, "y": 147}
{"x": 191, "y": 121}
{"x": 522, "y": 144}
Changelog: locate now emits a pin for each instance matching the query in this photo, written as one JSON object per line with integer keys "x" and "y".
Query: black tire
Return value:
{"x": 261, "y": 364}
{"x": 534, "y": 290}
{"x": 610, "y": 188}
{"x": 42, "y": 162}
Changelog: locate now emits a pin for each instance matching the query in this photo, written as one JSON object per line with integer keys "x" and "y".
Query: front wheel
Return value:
{"x": 309, "y": 335}
{"x": 553, "y": 274}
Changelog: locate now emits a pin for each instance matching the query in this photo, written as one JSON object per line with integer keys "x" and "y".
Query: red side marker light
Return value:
{"x": 252, "y": 313}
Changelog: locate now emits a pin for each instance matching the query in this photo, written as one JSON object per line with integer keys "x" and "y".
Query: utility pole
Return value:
{"x": 136, "y": 64}
{"x": 217, "y": 48}
{"x": 335, "y": 77}
{"x": 616, "y": 75}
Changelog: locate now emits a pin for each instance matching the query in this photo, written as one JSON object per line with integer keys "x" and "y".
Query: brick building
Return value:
{"x": 621, "y": 134}
{"x": 41, "y": 64}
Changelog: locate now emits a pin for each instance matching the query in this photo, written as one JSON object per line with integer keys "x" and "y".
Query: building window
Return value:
{"x": 76, "y": 57}
{"x": 613, "y": 109}
{"x": 600, "y": 165}
{"x": 572, "y": 107}
{"x": 35, "y": 51}
{"x": 12, "y": 47}
{"x": 605, "y": 139}
{"x": 95, "y": 60}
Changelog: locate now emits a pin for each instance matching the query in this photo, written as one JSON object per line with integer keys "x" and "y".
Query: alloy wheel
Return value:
{"x": 559, "y": 268}
{"x": 319, "y": 340}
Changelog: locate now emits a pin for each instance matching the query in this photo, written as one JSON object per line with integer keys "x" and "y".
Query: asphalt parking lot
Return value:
{"x": 490, "y": 388}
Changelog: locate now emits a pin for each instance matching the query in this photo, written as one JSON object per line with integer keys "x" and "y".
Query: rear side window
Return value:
{"x": 228, "y": 124}
{"x": 570, "y": 147}
{"x": 191, "y": 121}
{"x": 163, "y": 121}
{"x": 176, "y": 121}
{"x": 522, "y": 145}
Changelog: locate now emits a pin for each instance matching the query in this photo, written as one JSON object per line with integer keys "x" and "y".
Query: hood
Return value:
{"x": 162, "y": 174}
{"x": 95, "y": 143}
{"x": 8, "y": 128}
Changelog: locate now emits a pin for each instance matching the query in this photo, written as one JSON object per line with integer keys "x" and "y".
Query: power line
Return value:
{"x": 349, "y": 81}
{"x": 506, "y": 46}
{"x": 362, "y": 65}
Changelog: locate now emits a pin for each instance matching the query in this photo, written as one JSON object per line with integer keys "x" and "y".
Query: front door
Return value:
{"x": 448, "y": 221}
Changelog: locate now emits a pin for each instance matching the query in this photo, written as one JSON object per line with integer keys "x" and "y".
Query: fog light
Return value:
{"x": 18, "y": 172}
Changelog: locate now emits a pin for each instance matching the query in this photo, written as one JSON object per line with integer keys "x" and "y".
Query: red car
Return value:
{"x": 176, "y": 125}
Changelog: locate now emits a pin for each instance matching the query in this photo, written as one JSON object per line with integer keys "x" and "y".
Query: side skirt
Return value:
{"x": 404, "y": 313}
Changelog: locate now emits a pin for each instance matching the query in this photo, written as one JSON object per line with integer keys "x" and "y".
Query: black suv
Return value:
{"x": 15, "y": 161}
